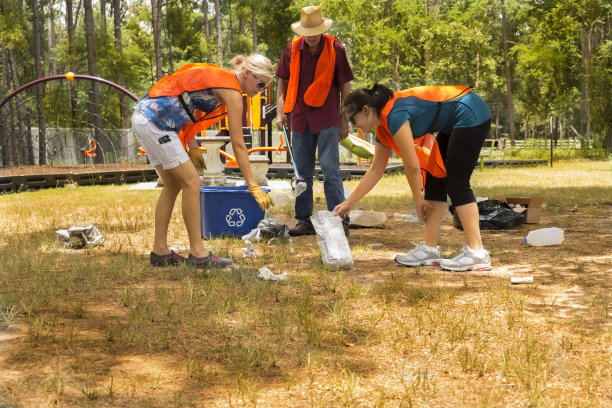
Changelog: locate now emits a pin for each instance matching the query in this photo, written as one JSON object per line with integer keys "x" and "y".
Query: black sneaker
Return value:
{"x": 210, "y": 261}
{"x": 172, "y": 259}
{"x": 302, "y": 228}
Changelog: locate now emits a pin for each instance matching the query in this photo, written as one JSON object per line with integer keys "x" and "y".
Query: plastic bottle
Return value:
{"x": 544, "y": 237}
{"x": 281, "y": 198}
{"x": 405, "y": 217}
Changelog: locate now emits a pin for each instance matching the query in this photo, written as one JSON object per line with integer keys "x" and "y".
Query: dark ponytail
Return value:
{"x": 377, "y": 98}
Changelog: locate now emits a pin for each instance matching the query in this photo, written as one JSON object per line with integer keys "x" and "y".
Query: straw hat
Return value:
{"x": 311, "y": 22}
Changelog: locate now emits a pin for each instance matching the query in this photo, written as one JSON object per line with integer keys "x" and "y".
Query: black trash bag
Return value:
{"x": 494, "y": 215}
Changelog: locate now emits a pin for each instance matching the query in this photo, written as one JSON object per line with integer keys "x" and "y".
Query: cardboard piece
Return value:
{"x": 533, "y": 204}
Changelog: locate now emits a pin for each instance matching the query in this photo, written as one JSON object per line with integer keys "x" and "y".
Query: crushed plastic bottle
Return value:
{"x": 281, "y": 198}
{"x": 405, "y": 217}
{"x": 544, "y": 237}
{"x": 300, "y": 187}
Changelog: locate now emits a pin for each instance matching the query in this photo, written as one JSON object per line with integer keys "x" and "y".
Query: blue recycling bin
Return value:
{"x": 228, "y": 211}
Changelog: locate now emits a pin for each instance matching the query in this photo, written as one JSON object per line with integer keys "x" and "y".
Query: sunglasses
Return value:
{"x": 352, "y": 118}
{"x": 260, "y": 84}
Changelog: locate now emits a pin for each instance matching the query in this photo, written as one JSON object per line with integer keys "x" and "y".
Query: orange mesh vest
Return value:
{"x": 317, "y": 92}
{"x": 426, "y": 146}
{"x": 196, "y": 77}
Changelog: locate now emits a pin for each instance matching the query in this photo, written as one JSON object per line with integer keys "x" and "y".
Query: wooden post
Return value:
{"x": 551, "y": 141}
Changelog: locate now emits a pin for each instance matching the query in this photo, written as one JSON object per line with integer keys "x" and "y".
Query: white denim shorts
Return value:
{"x": 162, "y": 147}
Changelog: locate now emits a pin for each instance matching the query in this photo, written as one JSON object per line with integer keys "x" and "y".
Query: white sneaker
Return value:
{"x": 467, "y": 260}
{"x": 420, "y": 255}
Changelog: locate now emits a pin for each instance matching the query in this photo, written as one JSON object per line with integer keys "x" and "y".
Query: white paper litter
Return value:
{"x": 249, "y": 251}
{"x": 80, "y": 236}
{"x": 267, "y": 274}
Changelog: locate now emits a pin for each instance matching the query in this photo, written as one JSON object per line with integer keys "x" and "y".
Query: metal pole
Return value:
{"x": 551, "y": 141}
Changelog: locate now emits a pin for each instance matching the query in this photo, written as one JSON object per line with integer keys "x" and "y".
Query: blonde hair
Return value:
{"x": 256, "y": 63}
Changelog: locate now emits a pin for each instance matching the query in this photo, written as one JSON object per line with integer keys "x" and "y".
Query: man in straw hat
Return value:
{"x": 314, "y": 76}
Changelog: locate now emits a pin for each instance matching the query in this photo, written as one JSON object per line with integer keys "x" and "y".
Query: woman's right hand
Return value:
{"x": 422, "y": 207}
{"x": 342, "y": 209}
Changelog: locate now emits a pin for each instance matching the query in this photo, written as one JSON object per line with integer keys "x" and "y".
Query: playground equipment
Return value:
{"x": 92, "y": 148}
{"x": 73, "y": 112}
{"x": 141, "y": 151}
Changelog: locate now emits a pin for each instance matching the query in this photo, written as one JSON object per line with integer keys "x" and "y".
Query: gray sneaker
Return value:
{"x": 420, "y": 255}
{"x": 467, "y": 260}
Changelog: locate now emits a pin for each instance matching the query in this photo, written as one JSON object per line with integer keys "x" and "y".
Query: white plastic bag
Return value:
{"x": 335, "y": 250}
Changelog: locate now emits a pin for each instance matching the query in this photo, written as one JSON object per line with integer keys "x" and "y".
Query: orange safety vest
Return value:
{"x": 196, "y": 77}
{"x": 426, "y": 146}
{"x": 317, "y": 92}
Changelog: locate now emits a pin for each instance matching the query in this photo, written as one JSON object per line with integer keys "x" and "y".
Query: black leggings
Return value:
{"x": 460, "y": 151}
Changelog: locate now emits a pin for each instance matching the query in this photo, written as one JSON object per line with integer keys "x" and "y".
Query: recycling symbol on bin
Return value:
{"x": 235, "y": 217}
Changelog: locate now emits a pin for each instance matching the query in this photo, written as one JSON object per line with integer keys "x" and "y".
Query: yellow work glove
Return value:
{"x": 262, "y": 198}
{"x": 196, "y": 157}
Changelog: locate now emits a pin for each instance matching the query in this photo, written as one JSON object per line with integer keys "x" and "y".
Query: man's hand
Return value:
{"x": 344, "y": 130}
{"x": 262, "y": 198}
{"x": 281, "y": 119}
{"x": 197, "y": 158}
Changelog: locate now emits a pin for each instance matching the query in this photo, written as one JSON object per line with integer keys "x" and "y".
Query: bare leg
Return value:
{"x": 433, "y": 222}
{"x": 190, "y": 182}
{"x": 468, "y": 215}
{"x": 185, "y": 178}
{"x": 163, "y": 210}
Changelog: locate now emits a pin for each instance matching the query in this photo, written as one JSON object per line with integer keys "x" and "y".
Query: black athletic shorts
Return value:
{"x": 460, "y": 151}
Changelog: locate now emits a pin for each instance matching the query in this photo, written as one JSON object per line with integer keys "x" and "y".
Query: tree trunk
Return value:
{"x": 206, "y": 29}
{"x": 51, "y": 42}
{"x": 254, "y": 27}
{"x": 103, "y": 21}
{"x": 219, "y": 38}
{"x": 156, "y": 14}
{"x": 169, "y": 39}
{"x": 497, "y": 110}
{"x": 587, "y": 84}
{"x": 69, "y": 40}
{"x": 231, "y": 23}
{"x": 92, "y": 65}
{"x": 42, "y": 135}
{"x": 23, "y": 139}
{"x": 394, "y": 54}
{"x": 582, "y": 125}
{"x": 7, "y": 136}
{"x": 510, "y": 117}
{"x": 123, "y": 111}
{"x": 241, "y": 22}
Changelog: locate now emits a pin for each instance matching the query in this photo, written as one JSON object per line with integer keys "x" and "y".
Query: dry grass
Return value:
{"x": 100, "y": 327}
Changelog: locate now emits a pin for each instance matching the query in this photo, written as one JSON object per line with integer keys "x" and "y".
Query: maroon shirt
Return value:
{"x": 327, "y": 115}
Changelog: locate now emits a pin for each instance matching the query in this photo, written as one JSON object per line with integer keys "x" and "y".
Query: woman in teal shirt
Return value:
{"x": 462, "y": 121}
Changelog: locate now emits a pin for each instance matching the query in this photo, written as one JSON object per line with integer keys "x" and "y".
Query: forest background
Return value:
{"x": 529, "y": 59}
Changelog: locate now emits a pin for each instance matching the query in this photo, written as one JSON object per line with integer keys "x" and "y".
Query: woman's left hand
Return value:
{"x": 422, "y": 207}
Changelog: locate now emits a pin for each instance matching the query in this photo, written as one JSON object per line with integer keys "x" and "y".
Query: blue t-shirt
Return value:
{"x": 468, "y": 110}
{"x": 167, "y": 113}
